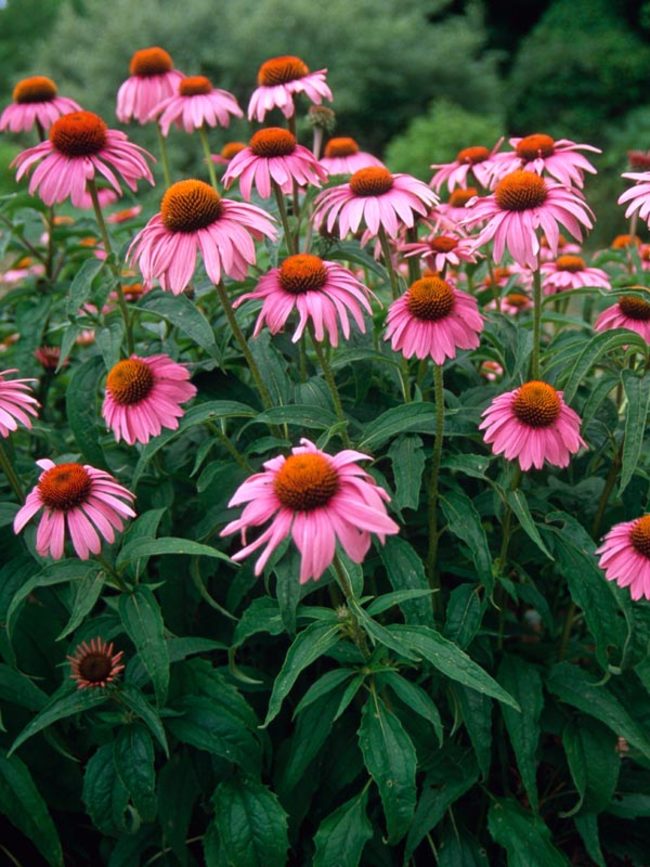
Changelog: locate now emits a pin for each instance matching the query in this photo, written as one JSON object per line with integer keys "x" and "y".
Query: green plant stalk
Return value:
{"x": 282, "y": 208}
{"x": 331, "y": 384}
{"x": 432, "y": 552}
{"x": 232, "y": 450}
{"x": 358, "y": 634}
{"x": 506, "y": 534}
{"x": 412, "y": 261}
{"x": 537, "y": 323}
{"x": 164, "y": 159}
{"x": 205, "y": 144}
{"x": 11, "y": 474}
{"x": 388, "y": 262}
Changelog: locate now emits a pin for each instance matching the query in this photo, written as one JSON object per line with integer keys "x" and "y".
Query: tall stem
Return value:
{"x": 537, "y": 323}
{"x": 331, "y": 384}
{"x": 10, "y": 473}
{"x": 205, "y": 144}
{"x": 164, "y": 160}
{"x": 412, "y": 261}
{"x": 388, "y": 262}
{"x": 282, "y": 208}
{"x": 92, "y": 189}
{"x": 432, "y": 554}
{"x": 318, "y": 141}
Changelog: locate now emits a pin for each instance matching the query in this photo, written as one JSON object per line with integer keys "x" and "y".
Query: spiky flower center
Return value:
{"x": 534, "y": 146}
{"x": 520, "y": 191}
{"x": 472, "y": 156}
{"x": 273, "y": 142}
{"x": 281, "y": 70}
{"x": 79, "y": 134}
{"x": 620, "y": 242}
{"x": 303, "y": 273}
{"x": 65, "y": 487}
{"x": 95, "y": 667}
{"x": 372, "y": 181}
{"x": 130, "y": 381}
{"x": 190, "y": 205}
{"x": 570, "y": 263}
{"x": 150, "y": 61}
{"x": 640, "y": 536}
{"x": 430, "y": 299}
{"x": 537, "y": 404}
{"x": 195, "y": 85}
{"x": 517, "y": 299}
{"x": 306, "y": 482}
{"x": 231, "y": 149}
{"x": 443, "y": 244}
{"x": 459, "y": 198}
{"x": 635, "y": 308}
{"x": 341, "y": 147}
{"x": 38, "y": 88}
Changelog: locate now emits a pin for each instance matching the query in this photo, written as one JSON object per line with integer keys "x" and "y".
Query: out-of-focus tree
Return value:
{"x": 22, "y": 24}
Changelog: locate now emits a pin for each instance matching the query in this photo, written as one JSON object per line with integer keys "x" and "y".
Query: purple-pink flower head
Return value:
{"x": 319, "y": 500}
{"x": 540, "y": 153}
{"x": 279, "y": 79}
{"x": 631, "y": 312}
{"x": 625, "y": 556}
{"x": 152, "y": 79}
{"x": 35, "y": 100}
{"x": 17, "y": 403}
{"x": 196, "y": 104}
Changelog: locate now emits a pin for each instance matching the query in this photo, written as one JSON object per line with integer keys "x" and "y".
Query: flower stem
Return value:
{"x": 164, "y": 160}
{"x": 357, "y": 633}
{"x": 331, "y": 384}
{"x": 388, "y": 262}
{"x": 318, "y": 142}
{"x": 413, "y": 262}
{"x": 229, "y": 446}
{"x": 10, "y": 473}
{"x": 537, "y": 323}
{"x": 203, "y": 135}
{"x": 432, "y": 554}
{"x": 92, "y": 189}
{"x": 282, "y": 208}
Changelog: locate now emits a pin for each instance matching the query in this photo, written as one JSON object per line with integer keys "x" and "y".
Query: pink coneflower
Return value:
{"x": 152, "y": 79}
{"x": 539, "y": 153}
{"x": 625, "y": 556}
{"x": 49, "y": 357}
{"x": 622, "y": 242}
{"x": 195, "y": 104}
{"x": 105, "y": 196}
{"x": 144, "y": 395}
{"x": 638, "y": 196}
{"x": 513, "y": 303}
{"x": 376, "y": 197}
{"x": 317, "y": 498}
{"x": 491, "y": 370}
{"x": 16, "y": 403}
{"x": 343, "y": 157}
{"x": 124, "y": 215}
{"x": 564, "y": 248}
{"x": 571, "y": 272}
{"x": 438, "y": 252}
{"x": 522, "y": 203}
{"x": 472, "y": 163}
{"x": 86, "y": 337}
{"x": 532, "y": 423}
{"x": 35, "y": 102}
{"x": 95, "y": 665}
{"x": 630, "y": 312}
{"x": 323, "y": 292}
{"x": 194, "y": 217}
{"x": 228, "y": 151}
{"x": 457, "y": 207}
{"x": 434, "y": 320}
{"x": 86, "y": 503}
{"x": 80, "y": 145}
{"x": 24, "y": 268}
{"x": 273, "y": 155}
{"x": 279, "y": 79}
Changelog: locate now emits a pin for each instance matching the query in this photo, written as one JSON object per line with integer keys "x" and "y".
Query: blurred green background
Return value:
{"x": 414, "y": 80}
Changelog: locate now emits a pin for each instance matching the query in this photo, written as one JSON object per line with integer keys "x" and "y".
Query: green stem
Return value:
{"x": 537, "y": 323}
{"x": 388, "y": 262}
{"x": 164, "y": 160}
{"x": 412, "y": 261}
{"x": 203, "y": 135}
{"x": 331, "y": 384}
{"x": 610, "y": 481}
{"x": 496, "y": 292}
{"x": 119, "y": 583}
{"x": 357, "y": 633}
{"x": 432, "y": 554}
{"x": 229, "y": 446}
{"x": 92, "y": 189}
{"x": 566, "y": 631}
{"x": 49, "y": 261}
{"x": 282, "y": 208}
{"x": 10, "y": 473}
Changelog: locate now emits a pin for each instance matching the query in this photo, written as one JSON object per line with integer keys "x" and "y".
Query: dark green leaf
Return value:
{"x": 341, "y": 837}
{"x": 166, "y": 545}
{"x": 143, "y": 622}
{"x": 262, "y": 615}
{"x": 301, "y": 415}
{"x": 134, "y": 757}
{"x": 136, "y": 702}
{"x": 637, "y": 392}
{"x": 415, "y": 698}
{"x": 594, "y": 763}
{"x": 525, "y": 837}
{"x": 599, "y": 345}
{"x": 17, "y": 688}
{"x": 62, "y": 704}
{"x": 105, "y": 796}
{"x": 81, "y": 409}
{"x": 87, "y": 592}
{"x": 519, "y": 505}
{"x": 587, "y": 826}
{"x": 465, "y": 522}
{"x": 82, "y": 284}
{"x": 410, "y": 417}
{"x": 465, "y": 611}
{"x": 476, "y": 712}
{"x": 181, "y": 312}
{"x": 405, "y": 571}
{"x": 407, "y": 456}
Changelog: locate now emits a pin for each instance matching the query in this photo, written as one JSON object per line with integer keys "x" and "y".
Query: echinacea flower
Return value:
{"x": 195, "y": 104}
{"x": 227, "y": 152}
{"x": 316, "y": 498}
{"x": 522, "y": 203}
{"x": 322, "y": 292}
{"x": 513, "y": 303}
{"x": 539, "y": 153}
{"x": 49, "y": 357}
{"x": 16, "y": 403}
{"x": 622, "y": 242}
{"x": 79, "y": 147}
{"x": 532, "y": 424}
{"x": 457, "y": 207}
{"x": 438, "y": 252}
{"x": 473, "y": 161}
{"x": 95, "y": 665}
{"x": 35, "y": 101}
{"x": 564, "y": 248}
{"x": 279, "y": 80}
{"x": 491, "y": 370}
{"x": 630, "y": 312}
{"x": 193, "y": 217}
{"x": 78, "y": 501}
{"x": 625, "y": 556}
{"x": 152, "y": 79}
{"x": 638, "y": 196}
{"x": 273, "y": 156}
{"x": 343, "y": 157}
{"x": 376, "y": 197}
{"x": 124, "y": 214}
{"x": 434, "y": 320}
{"x": 25, "y": 267}
{"x": 571, "y": 272}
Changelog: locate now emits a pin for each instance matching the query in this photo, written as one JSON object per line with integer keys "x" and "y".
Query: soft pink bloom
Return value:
{"x": 124, "y": 215}
{"x": 227, "y": 152}
{"x": 491, "y": 370}
{"x": 21, "y": 272}
{"x": 322, "y": 292}
{"x": 532, "y": 424}
{"x": 539, "y": 153}
{"x": 564, "y": 248}
{"x": 375, "y": 197}
{"x": 144, "y": 395}
{"x": 571, "y": 272}
{"x": 625, "y": 556}
{"x": 152, "y": 79}
{"x": 16, "y": 403}
{"x": 273, "y": 156}
{"x": 317, "y": 498}
{"x": 35, "y": 101}
{"x": 195, "y": 104}
{"x": 513, "y": 303}
{"x": 456, "y": 209}
{"x": 86, "y": 337}
{"x": 522, "y": 203}
{"x": 83, "y": 502}
{"x": 631, "y": 312}
{"x": 279, "y": 80}
{"x": 438, "y": 252}
{"x": 105, "y": 196}
{"x": 94, "y": 665}
{"x": 434, "y": 320}
{"x": 193, "y": 218}
{"x": 81, "y": 146}
{"x": 638, "y": 196}
{"x": 343, "y": 157}
{"x": 472, "y": 161}
{"x": 49, "y": 357}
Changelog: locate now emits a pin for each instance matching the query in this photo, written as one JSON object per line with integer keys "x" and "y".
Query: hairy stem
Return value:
{"x": 331, "y": 384}
{"x": 205, "y": 144}
{"x": 282, "y": 208}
